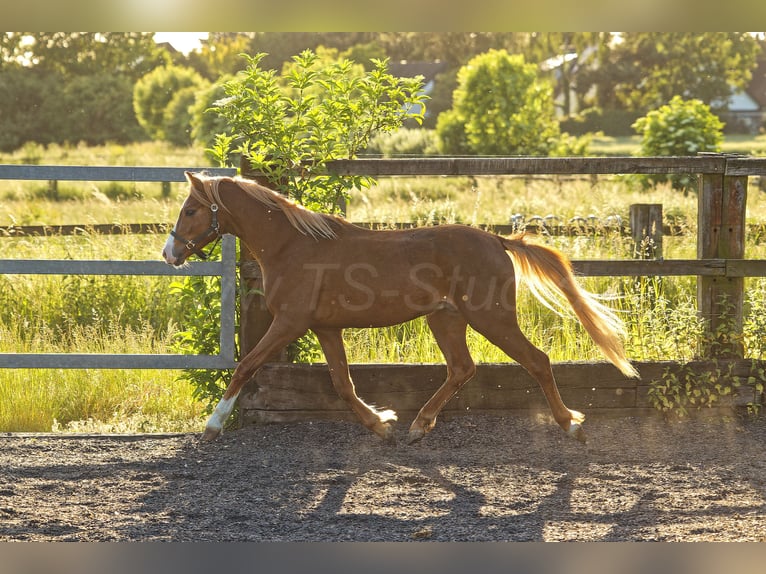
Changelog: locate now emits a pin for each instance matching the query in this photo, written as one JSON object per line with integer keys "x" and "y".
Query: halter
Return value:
{"x": 213, "y": 229}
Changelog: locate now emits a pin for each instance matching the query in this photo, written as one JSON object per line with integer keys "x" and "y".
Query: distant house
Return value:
{"x": 747, "y": 108}
{"x": 411, "y": 69}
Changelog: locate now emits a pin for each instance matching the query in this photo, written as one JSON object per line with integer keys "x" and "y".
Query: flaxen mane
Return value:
{"x": 316, "y": 225}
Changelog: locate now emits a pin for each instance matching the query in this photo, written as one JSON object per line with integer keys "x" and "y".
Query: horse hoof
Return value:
{"x": 385, "y": 431}
{"x": 415, "y": 436}
{"x": 210, "y": 434}
{"x": 576, "y": 431}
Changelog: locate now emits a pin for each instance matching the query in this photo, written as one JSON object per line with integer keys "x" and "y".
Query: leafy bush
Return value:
{"x": 205, "y": 122}
{"x": 404, "y": 141}
{"x": 177, "y": 118}
{"x": 94, "y": 109}
{"x": 289, "y": 127}
{"x": 500, "y": 107}
{"x": 154, "y": 92}
{"x": 681, "y": 127}
{"x": 47, "y": 107}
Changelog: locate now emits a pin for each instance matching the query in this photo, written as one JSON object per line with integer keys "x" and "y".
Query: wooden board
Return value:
{"x": 284, "y": 392}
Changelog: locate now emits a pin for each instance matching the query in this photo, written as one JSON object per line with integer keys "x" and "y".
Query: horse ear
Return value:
{"x": 194, "y": 180}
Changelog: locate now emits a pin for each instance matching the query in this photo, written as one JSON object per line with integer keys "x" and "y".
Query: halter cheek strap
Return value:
{"x": 213, "y": 230}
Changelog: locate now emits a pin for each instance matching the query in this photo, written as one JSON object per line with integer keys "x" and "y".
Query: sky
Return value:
{"x": 182, "y": 41}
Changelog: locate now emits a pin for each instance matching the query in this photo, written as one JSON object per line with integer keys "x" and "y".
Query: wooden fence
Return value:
{"x": 293, "y": 392}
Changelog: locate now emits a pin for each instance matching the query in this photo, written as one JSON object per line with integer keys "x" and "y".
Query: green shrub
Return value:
{"x": 154, "y": 92}
{"x": 404, "y": 141}
{"x": 681, "y": 127}
{"x": 205, "y": 122}
{"x": 503, "y": 108}
{"x": 288, "y": 127}
{"x": 177, "y": 117}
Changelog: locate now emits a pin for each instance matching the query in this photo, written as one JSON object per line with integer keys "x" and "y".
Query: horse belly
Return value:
{"x": 366, "y": 305}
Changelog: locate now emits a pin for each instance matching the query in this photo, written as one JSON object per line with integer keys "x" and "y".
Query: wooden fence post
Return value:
{"x": 254, "y": 318}
{"x": 721, "y": 235}
{"x": 646, "y": 230}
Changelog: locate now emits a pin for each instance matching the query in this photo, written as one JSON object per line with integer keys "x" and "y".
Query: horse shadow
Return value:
{"x": 343, "y": 484}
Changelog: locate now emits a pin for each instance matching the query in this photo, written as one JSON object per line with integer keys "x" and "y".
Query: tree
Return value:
{"x": 219, "y": 55}
{"x": 500, "y": 107}
{"x": 97, "y": 109}
{"x": 177, "y": 119}
{"x": 646, "y": 69}
{"x": 23, "y": 93}
{"x": 205, "y": 122}
{"x": 290, "y": 126}
{"x": 154, "y": 92}
{"x": 130, "y": 54}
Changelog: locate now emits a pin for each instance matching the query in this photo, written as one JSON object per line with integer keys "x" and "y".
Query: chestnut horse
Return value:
{"x": 323, "y": 273}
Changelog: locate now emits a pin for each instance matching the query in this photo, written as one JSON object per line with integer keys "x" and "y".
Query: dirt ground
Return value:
{"x": 474, "y": 478}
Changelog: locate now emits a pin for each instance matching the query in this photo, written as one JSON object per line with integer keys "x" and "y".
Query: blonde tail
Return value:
{"x": 548, "y": 274}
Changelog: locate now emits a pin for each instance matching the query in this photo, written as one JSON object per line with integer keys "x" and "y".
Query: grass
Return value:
{"x": 631, "y": 145}
{"x": 89, "y": 314}
{"x": 134, "y": 314}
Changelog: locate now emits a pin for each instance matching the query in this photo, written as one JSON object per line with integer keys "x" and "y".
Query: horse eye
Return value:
{"x": 189, "y": 212}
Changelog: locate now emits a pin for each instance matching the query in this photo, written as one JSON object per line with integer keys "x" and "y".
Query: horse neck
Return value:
{"x": 263, "y": 229}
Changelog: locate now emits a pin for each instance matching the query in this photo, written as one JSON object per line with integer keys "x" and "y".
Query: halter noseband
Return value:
{"x": 213, "y": 229}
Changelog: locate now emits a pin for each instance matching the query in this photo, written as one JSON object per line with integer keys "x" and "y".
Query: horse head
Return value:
{"x": 197, "y": 225}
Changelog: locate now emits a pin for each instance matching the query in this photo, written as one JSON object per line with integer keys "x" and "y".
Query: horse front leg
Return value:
{"x": 378, "y": 421}
{"x": 279, "y": 334}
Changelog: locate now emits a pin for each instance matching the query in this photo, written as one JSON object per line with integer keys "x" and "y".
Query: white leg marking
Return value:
{"x": 221, "y": 413}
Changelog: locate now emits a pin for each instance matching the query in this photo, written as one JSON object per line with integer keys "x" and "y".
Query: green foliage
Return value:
{"x": 177, "y": 117}
{"x": 107, "y": 117}
{"x": 404, "y": 141}
{"x": 129, "y": 55}
{"x": 500, "y": 107}
{"x": 681, "y": 127}
{"x": 205, "y": 123}
{"x": 647, "y": 69}
{"x": 154, "y": 93}
{"x": 691, "y": 388}
{"x": 199, "y": 298}
{"x": 289, "y": 127}
{"x": 45, "y": 108}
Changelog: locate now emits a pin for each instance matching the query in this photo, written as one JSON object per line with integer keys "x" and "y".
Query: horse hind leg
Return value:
{"x": 448, "y": 327}
{"x": 378, "y": 421}
{"x": 502, "y": 329}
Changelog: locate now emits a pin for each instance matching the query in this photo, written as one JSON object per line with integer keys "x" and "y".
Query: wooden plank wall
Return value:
{"x": 283, "y": 392}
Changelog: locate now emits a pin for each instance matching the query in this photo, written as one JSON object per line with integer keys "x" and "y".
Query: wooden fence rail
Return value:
{"x": 300, "y": 392}
{"x": 720, "y": 266}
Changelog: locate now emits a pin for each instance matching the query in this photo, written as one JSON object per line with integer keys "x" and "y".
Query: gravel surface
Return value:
{"x": 474, "y": 478}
